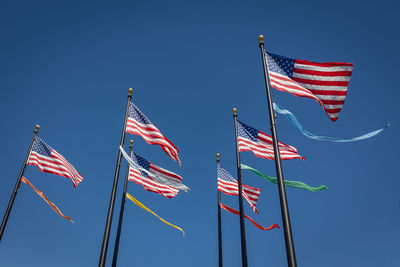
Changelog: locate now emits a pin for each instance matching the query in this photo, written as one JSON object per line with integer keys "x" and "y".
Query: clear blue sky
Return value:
{"x": 68, "y": 66}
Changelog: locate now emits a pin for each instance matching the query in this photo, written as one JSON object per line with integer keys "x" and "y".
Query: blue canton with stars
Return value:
{"x": 137, "y": 115}
{"x": 224, "y": 175}
{"x": 142, "y": 163}
{"x": 247, "y": 132}
{"x": 280, "y": 64}
{"x": 39, "y": 146}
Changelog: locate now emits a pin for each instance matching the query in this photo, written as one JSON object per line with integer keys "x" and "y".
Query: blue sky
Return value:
{"x": 68, "y": 66}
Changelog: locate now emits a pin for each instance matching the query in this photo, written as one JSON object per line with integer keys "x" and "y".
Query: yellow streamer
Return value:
{"x": 134, "y": 200}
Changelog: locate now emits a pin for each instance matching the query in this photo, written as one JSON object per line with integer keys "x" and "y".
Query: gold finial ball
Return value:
{"x": 37, "y": 127}
{"x": 261, "y": 38}
{"x": 131, "y": 142}
{"x": 130, "y": 91}
{"x": 234, "y": 111}
{"x": 217, "y": 155}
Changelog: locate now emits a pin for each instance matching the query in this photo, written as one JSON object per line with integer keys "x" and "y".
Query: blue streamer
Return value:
{"x": 290, "y": 116}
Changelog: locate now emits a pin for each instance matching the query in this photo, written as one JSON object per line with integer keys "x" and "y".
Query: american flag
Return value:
{"x": 142, "y": 178}
{"x": 49, "y": 160}
{"x": 325, "y": 82}
{"x": 228, "y": 185}
{"x": 139, "y": 124}
{"x": 250, "y": 139}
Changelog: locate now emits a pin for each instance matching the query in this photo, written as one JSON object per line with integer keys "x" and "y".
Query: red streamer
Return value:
{"x": 248, "y": 218}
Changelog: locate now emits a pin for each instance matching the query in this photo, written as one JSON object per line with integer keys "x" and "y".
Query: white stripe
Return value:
{"x": 321, "y": 78}
{"x": 333, "y": 106}
{"x": 333, "y": 115}
{"x": 324, "y": 87}
{"x": 331, "y": 97}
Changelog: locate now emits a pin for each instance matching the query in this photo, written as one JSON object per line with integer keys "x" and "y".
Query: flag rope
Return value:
{"x": 296, "y": 184}
{"x": 292, "y": 118}
{"x": 134, "y": 200}
{"x": 233, "y": 211}
{"x": 51, "y": 204}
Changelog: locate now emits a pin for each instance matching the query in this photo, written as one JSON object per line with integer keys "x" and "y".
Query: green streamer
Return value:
{"x": 296, "y": 184}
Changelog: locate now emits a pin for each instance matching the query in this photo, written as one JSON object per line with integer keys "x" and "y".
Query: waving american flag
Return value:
{"x": 325, "y": 82}
{"x": 228, "y": 185}
{"x": 49, "y": 160}
{"x": 139, "y": 124}
{"x": 144, "y": 171}
{"x": 250, "y": 139}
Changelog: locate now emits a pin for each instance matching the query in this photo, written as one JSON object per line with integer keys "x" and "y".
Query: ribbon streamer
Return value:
{"x": 40, "y": 193}
{"x": 290, "y": 116}
{"x": 296, "y": 184}
{"x": 134, "y": 200}
{"x": 233, "y": 211}
{"x": 154, "y": 176}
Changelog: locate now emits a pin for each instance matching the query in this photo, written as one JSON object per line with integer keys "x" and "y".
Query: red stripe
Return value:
{"x": 319, "y": 82}
{"x": 329, "y": 92}
{"x": 325, "y": 64}
{"x": 333, "y": 110}
{"x": 322, "y": 73}
{"x": 333, "y": 102}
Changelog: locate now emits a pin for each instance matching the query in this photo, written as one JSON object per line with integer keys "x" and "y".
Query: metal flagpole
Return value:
{"x": 106, "y": 237}
{"x": 121, "y": 211}
{"x": 239, "y": 174}
{"x": 290, "y": 253}
{"x": 15, "y": 191}
{"x": 219, "y": 223}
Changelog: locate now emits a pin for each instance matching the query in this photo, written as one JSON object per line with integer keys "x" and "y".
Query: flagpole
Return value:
{"x": 15, "y": 191}
{"x": 106, "y": 237}
{"x": 239, "y": 173}
{"x": 290, "y": 253}
{"x": 121, "y": 211}
{"x": 219, "y": 223}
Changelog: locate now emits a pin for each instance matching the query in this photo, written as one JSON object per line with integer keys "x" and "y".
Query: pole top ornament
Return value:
{"x": 261, "y": 39}
{"x": 37, "y": 126}
{"x": 234, "y": 110}
{"x": 131, "y": 142}
{"x": 130, "y": 91}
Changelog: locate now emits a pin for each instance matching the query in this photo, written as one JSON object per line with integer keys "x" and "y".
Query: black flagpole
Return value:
{"x": 15, "y": 191}
{"x": 121, "y": 211}
{"x": 103, "y": 254}
{"x": 239, "y": 174}
{"x": 290, "y": 253}
{"x": 219, "y": 223}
